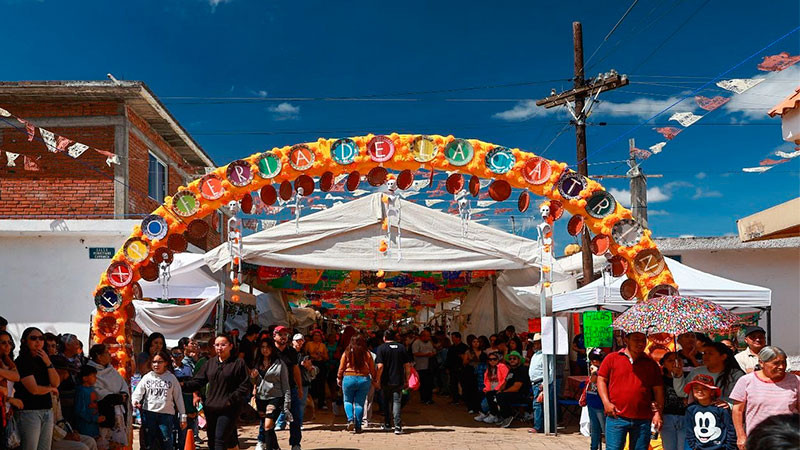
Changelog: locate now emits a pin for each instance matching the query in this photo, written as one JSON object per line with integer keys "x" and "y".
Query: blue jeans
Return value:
{"x": 618, "y": 428}
{"x": 355, "y": 390}
{"x": 673, "y": 435}
{"x": 538, "y": 411}
{"x": 158, "y": 429}
{"x": 35, "y": 428}
{"x": 597, "y": 425}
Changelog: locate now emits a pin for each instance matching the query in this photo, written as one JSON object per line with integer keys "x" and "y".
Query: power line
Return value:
{"x": 614, "y": 28}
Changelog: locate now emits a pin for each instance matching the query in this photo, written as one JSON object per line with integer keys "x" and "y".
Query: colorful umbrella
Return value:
{"x": 675, "y": 315}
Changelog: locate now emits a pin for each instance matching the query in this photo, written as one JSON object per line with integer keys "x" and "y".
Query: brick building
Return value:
{"x": 58, "y": 223}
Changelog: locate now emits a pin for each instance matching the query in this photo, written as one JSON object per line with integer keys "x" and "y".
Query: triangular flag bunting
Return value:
{"x": 11, "y": 158}
{"x": 30, "y": 164}
{"x": 739, "y": 85}
{"x": 669, "y": 133}
{"x": 110, "y": 157}
{"x": 77, "y": 149}
{"x": 430, "y": 203}
{"x": 686, "y": 119}
{"x": 710, "y": 104}
{"x": 771, "y": 162}
{"x": 62, "y": 143}
{"x": 776, "y": 63}
{"x": 657, "y": 148}
{"x": 641, "y": 154}
{"x": 49, "y": 139}
{"x": 29, "y": 128}
{"x": 4, "y": 113}
{"x": 757, "y": 169}
{"x": 788, "y": 155}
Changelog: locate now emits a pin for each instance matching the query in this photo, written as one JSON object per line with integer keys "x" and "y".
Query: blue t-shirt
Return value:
{"x": 86, "y": 411}
{"x": 709, "y": 428}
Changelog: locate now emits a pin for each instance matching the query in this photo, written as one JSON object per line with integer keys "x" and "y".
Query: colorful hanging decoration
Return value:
{"x": 710, "y": 104}
{"x": 686, "y": 119}
{"x": 740, "y": 85}
{"x": 669, "y": 133}
{"x": 656, "y": 149}
{"x": 391, "y": 218}
{"x": 776, "y": 63}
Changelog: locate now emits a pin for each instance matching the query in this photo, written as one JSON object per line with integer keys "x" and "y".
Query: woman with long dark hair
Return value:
{"x": 718, "y": 362}
{"x": 8, "y": 372}
{"x": 152, "y": 345}
{"x": 38, "y": 379}
{"x": 469, "y": 382}
{"x": 356, "y": 374}
{"x": 272, "y": 390}
{"x": 228, "y": 387}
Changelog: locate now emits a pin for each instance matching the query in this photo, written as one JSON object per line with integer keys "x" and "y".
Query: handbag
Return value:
{"x": 13, "y": 439}
{"x": 582, "y": 399}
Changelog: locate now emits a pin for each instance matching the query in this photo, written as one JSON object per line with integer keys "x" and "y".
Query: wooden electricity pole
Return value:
{"x": 638, "y": 183}
{"x": 577, "y": 96}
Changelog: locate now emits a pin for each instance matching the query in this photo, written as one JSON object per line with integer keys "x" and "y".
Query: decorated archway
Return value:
{"x": 282, "y": 171}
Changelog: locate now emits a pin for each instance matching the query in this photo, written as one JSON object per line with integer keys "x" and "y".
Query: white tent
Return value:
{"x": 691, "y": 282}
{"x": 517, "y": 301}
{"x": 347, "y": 237}
{"x": 189, "y": 279}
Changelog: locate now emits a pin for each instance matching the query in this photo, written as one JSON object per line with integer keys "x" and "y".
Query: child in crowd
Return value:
{"x": 673, "y": 434}
{"x": 597, "y": 419}
{"x": 86, "y": 411}
{"x": 707, "y": 426}
{"x": 158, "y": 396}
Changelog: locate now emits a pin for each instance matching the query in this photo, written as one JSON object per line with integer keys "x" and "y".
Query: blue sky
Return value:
{"x": 464, "y": 68}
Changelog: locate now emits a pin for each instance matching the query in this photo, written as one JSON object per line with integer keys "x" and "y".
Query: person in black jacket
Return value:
{"x": 228, "y": 388}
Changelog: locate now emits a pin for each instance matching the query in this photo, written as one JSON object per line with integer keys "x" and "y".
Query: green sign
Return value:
{"x": 597, "y": 331}
{"x": 269, "y": 165}
{"x": 459, "y": 152}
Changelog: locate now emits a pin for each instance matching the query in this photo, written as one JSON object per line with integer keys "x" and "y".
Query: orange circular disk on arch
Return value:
{"x": 565, "y": 189}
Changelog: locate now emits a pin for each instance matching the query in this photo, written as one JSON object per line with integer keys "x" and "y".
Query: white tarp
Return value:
{"x": 517, "y": 301}
{"x": 347, "y": 237}
{"x": 189, "y": 279}
{"x": 173, "y": 321}
{"x": 691, "y": 282}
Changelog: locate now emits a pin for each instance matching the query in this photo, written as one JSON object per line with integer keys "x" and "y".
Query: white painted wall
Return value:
{"x": 46, "y": 276}
{"x": 777, "y": 269}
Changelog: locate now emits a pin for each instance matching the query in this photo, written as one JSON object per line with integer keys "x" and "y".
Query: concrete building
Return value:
{"x": 61, "y": 224}
{"x": 774, "y": 264}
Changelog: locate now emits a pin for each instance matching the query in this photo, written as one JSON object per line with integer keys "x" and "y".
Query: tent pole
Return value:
{"x": 494, "y": 302}
{"x": 221, "y": 306}
{"x": 769, "y": 325}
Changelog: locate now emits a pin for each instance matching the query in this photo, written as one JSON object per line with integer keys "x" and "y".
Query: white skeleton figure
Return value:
{"x": 392, "y": 211}
{"x": 544, "y": 228}
{"x": 464, "y": 210}
{"x": 298, "y": 208}
{"x": 164, "y": 276}
{"x": 235, "y": 240}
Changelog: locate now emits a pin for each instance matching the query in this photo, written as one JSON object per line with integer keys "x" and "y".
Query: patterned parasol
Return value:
{"x": 675, "y": 315}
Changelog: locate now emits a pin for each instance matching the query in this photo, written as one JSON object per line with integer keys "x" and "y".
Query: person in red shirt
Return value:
{"x": 629, "y": 384}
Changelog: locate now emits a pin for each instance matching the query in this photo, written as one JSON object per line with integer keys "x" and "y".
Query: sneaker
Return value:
{"x": 490, "y": 419}
{"x": 480, "y": 417}
{"x": 533, "y": 431}
{"x": 398, "y": 430}
{"x": 386, "y": 427}
{"x": 471, "y": 411}
{"x": 260, "y": 445}
{"x": 296, "y": 447}
{"x": 507, "y": 422}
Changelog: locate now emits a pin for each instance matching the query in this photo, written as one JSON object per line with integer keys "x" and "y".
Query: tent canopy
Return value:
{"x": 347, "y": 237}
{"x": 691, "y": 282}
{"x": 189, "y": 279}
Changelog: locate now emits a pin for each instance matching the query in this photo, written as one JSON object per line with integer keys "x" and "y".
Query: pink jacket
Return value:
{"x": 502, "y": 371}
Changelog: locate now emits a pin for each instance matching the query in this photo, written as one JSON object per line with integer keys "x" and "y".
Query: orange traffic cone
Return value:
{"x": 189, "y": 440}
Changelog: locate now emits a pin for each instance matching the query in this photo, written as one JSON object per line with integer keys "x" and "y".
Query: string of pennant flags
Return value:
{"x": 773, "y": 63}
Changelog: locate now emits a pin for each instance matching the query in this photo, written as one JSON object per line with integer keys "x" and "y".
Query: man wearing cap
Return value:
{"x": 630, "y": 385}
{"x": 289, "y": 358}
{"x": 756, "y": 339}
{"x": 515, "y": 389}
{"x": 536, "y": 375}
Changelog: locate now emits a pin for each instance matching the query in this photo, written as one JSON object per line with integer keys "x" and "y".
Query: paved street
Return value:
{"x": 439, "y": 426}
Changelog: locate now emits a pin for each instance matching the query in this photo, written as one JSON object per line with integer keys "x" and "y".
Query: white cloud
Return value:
{"x": 261, "y": 93}
{"x": 687, "y": 236}
{"x": 654, "y": 194}
{"x": 215, "y": 3}
{"x": 643, "y": 107}
{"x": 523, "y": 111}
{"x": 756, "y": 102}
{"x": 700, "y": 175}
{"x": 700, "y": 193}
{"x": 285, "y": 111}
{"x": 657, "y": 212}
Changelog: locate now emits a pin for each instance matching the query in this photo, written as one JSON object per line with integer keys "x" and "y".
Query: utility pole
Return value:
{"x": 575, "y": 101}
{"x": 638, "y": 184}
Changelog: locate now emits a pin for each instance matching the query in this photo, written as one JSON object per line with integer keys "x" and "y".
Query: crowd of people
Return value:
{"x": 701, "y": 396}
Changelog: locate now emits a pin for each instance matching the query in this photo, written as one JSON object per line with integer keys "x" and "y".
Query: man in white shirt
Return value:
{"x": 756, "y": 339}
{"x": 536, "y": 374}
{"x": 423, "y": 350}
